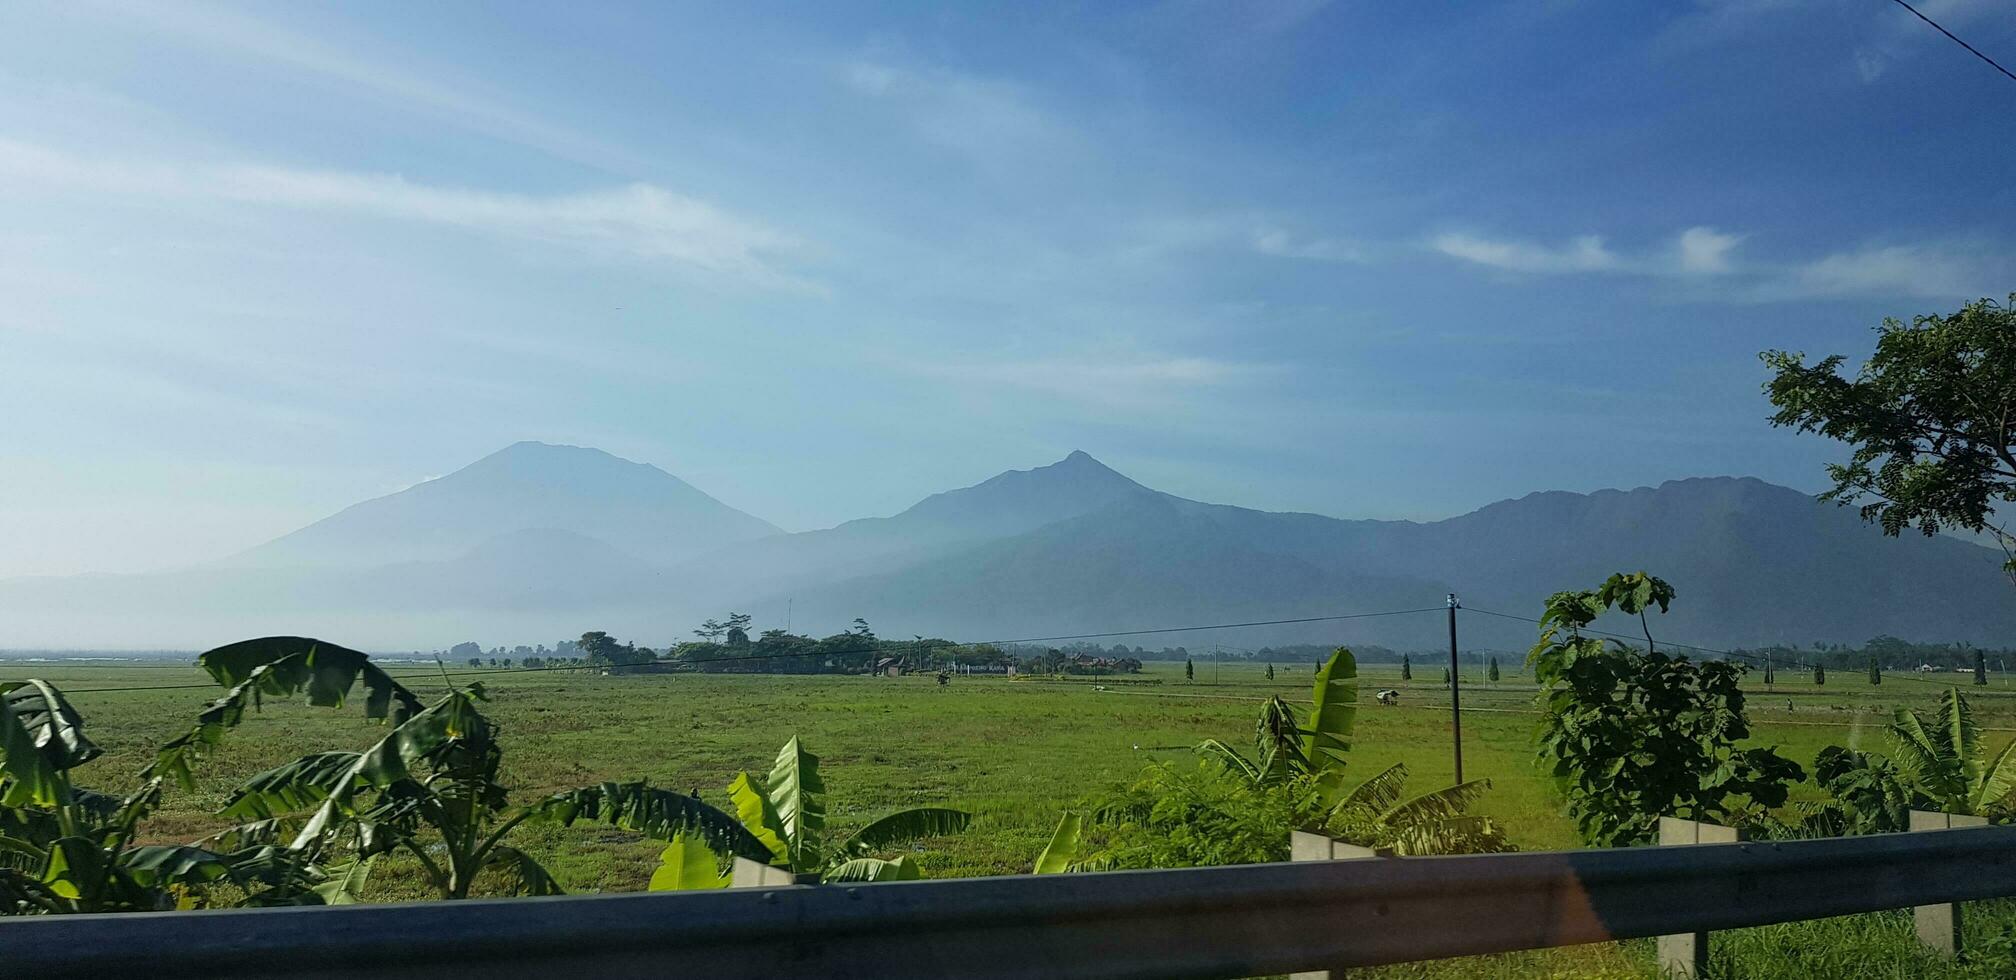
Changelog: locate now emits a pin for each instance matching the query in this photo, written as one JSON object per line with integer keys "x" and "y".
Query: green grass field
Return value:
{"x": 1015, "y": 752}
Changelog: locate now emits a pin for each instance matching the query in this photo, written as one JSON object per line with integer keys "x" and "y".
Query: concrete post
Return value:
{"x": 1938, "y": 926}
{"x": 1685, "y": 955}
{"x": 755, "y": 874}
{"x": 1305, "y": 846}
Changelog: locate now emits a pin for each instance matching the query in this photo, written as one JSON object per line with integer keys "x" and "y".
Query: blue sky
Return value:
{"x": 1365, "y": 259}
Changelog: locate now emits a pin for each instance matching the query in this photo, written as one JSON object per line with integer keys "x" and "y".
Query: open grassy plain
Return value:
{"x": 1014, "y": 752}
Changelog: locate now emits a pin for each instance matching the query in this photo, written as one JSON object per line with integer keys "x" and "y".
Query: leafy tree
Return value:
{"x": 507, "y": 663}
{"x": 1406, "y": 669}
{"x": 1931, "y": 416}
{"x": 1819, "y": 674}
{"x": 430, "y": 788}
{"x": 710, "y": 630}
{"x": 466, "y": 649}
{"x": 1632, "y": 735}
{"x": 475, "y": 661}
{"x": 1875, "y": 672}
{"x": 1189, "y": 670}
{"x": 861, "y": 630}
{"x": 1866, "y": 795}
{"x": 785, "y": 813}
{"x": 1980, "y": 669}
{"x": 1270, "y": 672}
{"x": 1494, "y": 670}
{"x": 1445, "y": 677}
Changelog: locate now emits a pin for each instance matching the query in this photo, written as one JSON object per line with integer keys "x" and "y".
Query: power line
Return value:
{"x": 1956, "y": 40}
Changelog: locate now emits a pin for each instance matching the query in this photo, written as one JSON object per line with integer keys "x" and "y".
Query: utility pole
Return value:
{"x": 1455, "y": 690}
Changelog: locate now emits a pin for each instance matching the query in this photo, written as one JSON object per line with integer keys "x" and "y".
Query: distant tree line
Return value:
{"x": 1880, "y": 652}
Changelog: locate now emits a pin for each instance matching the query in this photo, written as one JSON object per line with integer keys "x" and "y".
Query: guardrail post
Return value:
{"x": 1685, "y": 954}
{"x": 755, "y": 874}
{"x": 1305, "y": 846}
{"x": 1938, "y": 926}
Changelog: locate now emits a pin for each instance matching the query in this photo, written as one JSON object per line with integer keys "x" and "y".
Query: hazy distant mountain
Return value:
{"x": 540, "y": 542}
{"x": 635, "y": 507}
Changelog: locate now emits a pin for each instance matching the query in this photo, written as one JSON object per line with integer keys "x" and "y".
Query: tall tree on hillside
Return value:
{"x": 1932, "y": 417}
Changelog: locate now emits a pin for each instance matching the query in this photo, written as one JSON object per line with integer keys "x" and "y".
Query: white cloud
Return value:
{"x": 996, "y": 123}
{"x": 636, "y": 220}
{"x": 1582, "y": 254}
{"x": 1929, "y": 271}
{"x": 1704, "y": 250}
{"x": 1274, "y": 241}
{"x": 453, "y": 101}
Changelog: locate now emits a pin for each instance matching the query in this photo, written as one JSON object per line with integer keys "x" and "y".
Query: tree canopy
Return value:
{"x": 1931, "y": 416}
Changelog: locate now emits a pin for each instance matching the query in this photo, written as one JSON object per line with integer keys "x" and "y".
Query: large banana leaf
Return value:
{"x": 174, "y": 863}
{"x": 875, "y": 869}
{"x": 1327, "y": 742}
{"x": 1278, "y": 736}
{"x": 279, "y": 666}
{"x": 1063, "y": 847}
{"x": 345, "y": 883}
{"x": 657, "y": 812}
{"x": 797, "y": 795}
{"x": 294, "y": 786}
{"x": 1447, "y": 803}
{"x": 1235, "y": 763}
{"x": 1998, "y": 783}
{"x": 759, "y": 819}
{"x": 687, "y": 864}
{"x": 1957, "y": 722}
{"x": 905, "y": 826}
{"x": 1379, "y": 793}
{"x": 1928, "y": 754}
{"x": 522, "y": 875}
{"x": 41, "y": 737}
{"x": 389, "y": 760}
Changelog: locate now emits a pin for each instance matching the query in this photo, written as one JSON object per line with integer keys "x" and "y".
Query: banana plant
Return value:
{"x": 430, "y": 789}
{"x": 786, "y": 812}
{"x": 1941, "y": 756}
{"x": 64, "y": 848}
{"x": 1283, "y": 749}
{"x": 1378, "y": 813}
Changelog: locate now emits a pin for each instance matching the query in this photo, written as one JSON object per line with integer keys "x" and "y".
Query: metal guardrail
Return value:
{"x": 1201, "y": 922}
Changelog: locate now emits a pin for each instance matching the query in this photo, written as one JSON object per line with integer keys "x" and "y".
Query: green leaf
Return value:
{"x": 41, "y": 738}
{"x": 905, "y": 826}
{"x": 796, "y": 796}
{"x": 1331, "y": 721}
{"x": 1063, "y": 847}
{"x": 522, "y": 875}
{"x": 295, "y": 786}
{"x": 156, "y": 865}
{"x": 660, "y": 813}
{"x": 345, "y": 884}
{"x": 686, "y": 864}
{"x": 1212, "y": 748}
{"x": 759, "y": 818}
{"x": 875, "y": 869}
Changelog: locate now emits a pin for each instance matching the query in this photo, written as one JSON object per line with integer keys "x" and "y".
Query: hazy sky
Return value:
{"x": 258, "y": 262}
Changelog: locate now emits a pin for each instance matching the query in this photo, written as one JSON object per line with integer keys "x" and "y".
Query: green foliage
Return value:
{"x": 1493, "y": 674}
{"x": 1931, "y": 416}
{"x": 1189, "y": 670}
{"x": 1406, "y": 669}
{"x": 784, "y": 815}
{"x": 1819, "y": 675}
{"x": 1941, "y": 757}
{"x": 1866, "y": 793}
{"x": 1875, "y": 672}
{"x": 71, "y": 850}
{"x": 1630, "y": 735}
{"x": 1177, "y": 816}
{"x": 1377, "y": 813}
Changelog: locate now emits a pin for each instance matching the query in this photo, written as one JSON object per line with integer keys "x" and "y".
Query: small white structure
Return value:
{"x": 1388, "y": 697}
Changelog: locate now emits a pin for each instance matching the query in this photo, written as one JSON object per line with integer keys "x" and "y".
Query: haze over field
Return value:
{"x": 539, "y": 542}
{"x": 261, "y": 262}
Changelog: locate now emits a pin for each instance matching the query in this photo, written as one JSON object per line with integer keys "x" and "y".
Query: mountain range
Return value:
{"x": 538, "y": 542}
